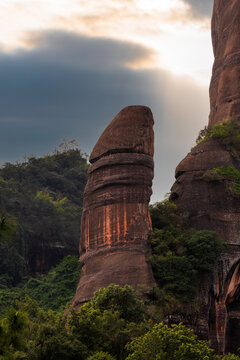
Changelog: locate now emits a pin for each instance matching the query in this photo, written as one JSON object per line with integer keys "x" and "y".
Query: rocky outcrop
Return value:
{"x": 225, "y": 85}
{"x": 116, "y": 226}
{"x": 208, "y": 204}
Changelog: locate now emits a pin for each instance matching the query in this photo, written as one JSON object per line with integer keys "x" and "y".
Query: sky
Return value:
{"x": 67, "y": 67}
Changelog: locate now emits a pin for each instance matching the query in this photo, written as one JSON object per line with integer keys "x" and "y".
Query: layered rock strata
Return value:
{"x": 225, "y": 85}
{"x": 116, "y": 226}
{"x": 208, "y": 204}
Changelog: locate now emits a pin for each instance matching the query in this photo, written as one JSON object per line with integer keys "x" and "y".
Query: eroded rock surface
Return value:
{"x": 225, "y": 85}
{"x": 116, "y": 226}
{"x": 208, "y": 204}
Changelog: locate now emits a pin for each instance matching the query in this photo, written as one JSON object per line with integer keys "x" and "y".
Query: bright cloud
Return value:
{"x": 71, "y": 86}
{"x": 181, "y": 42}
{"x": 68, "y": 66}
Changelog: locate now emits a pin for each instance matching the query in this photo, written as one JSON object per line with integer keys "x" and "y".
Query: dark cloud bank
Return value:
{"x": 200, "y": 7}
{"x": 71, "y": 86}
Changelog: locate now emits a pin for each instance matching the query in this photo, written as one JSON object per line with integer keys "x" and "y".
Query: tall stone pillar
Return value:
{"x": 225, "y": 83}
{"x": 116, "y": 226}
{"x": 208, "y": 204}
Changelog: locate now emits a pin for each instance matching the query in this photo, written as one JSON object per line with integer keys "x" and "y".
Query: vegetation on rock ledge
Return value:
{"x": 180, "y": 256}
{"x": 226, "y": 133}
{"x": 230, "y": 176}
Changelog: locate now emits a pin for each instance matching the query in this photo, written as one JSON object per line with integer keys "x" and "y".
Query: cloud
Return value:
{"x": 200, "y": 8}
{"x": 66, "y": 85}
{"x": 70, "y": 86}
{"x": 72, "y": 50}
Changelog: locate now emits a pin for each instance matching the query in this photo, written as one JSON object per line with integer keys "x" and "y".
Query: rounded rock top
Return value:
{"x": 131, "y": 131}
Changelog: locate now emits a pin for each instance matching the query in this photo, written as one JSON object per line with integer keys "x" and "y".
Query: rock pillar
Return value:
{"x": 225, "y": 84}
{"x": 116, "y": 226}
{"x": 208, "y": 204}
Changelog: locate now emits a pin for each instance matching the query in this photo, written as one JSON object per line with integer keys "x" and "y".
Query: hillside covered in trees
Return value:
{"x": 40, "y": 210}
{"x": 115, "y": 325}
{"x": 41, "y": 202}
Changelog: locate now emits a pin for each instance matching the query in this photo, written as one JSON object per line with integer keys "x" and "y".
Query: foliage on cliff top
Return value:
{"x": 43, "y": 197}
{"x": 180, "y": 256}
{"x": 226, "y": 133}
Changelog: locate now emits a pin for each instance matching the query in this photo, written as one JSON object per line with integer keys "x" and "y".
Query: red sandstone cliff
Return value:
{"x": 207, "y": 204}
{"x": 225, "y": 84}
{"x": 116, "y": 226}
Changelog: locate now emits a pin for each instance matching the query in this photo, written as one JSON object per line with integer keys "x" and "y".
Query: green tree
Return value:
{"x": 52, "y": 291}
{"x": 204, "y": 248}
{"x": 82, "y": 334}
{"x": 121, "y": 299}
{"x": 228, "y": 357}
{"x": 180, "y": 256}
{"x": 13, "y": 330}
{"x": 41, "y": 201}
{"x": 103, "y": 330}
{"x": 30, "y": 333}
{"x": 103, "y": 324}
{"x": 163, "y": 343}
{"x": 49, "y": 337}
{"x": 12, "y": 264}
{"x": 8, "y": 227}
{"x": 164, "y": 214}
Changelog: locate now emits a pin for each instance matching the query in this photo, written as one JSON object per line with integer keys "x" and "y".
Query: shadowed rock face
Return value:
{"x": 225, "y": 84}
{"x": 208, "y": 205}
{"x": 116, "y": 225}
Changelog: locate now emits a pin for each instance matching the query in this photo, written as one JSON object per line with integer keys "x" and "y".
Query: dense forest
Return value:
{"x": 40, "y": 210}
{"x": 116, "y": 324}
{"x": 41, "y": 202}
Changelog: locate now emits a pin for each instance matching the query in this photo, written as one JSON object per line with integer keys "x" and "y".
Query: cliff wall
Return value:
{"x": 209, "y": 203}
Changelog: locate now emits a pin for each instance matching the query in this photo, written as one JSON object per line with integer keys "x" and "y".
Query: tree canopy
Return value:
{"x": 40, "y": 210}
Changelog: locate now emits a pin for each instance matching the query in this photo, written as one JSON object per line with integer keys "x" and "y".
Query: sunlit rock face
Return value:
{"x": 116, "y": 226}
{"x": 225, "y": 84}
{"x": 207, "y": 204}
